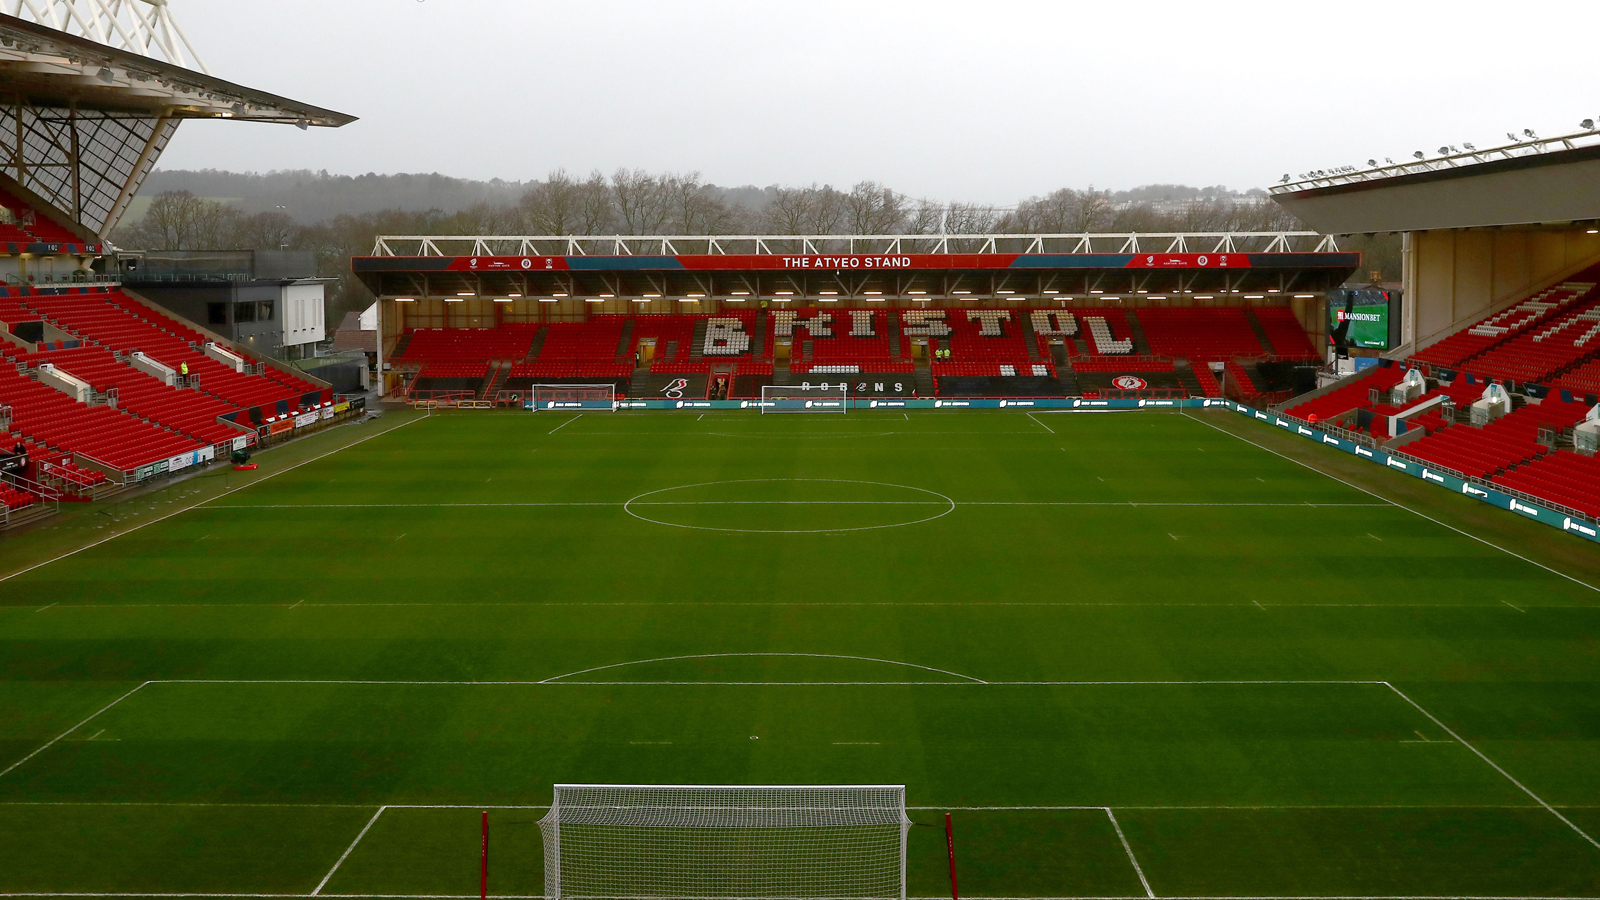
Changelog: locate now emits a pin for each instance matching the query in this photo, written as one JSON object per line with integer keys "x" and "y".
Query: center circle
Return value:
{"x": 789, "y": 506}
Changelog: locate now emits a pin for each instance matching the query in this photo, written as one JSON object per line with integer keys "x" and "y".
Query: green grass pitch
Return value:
{"x": 1133, "y": 655}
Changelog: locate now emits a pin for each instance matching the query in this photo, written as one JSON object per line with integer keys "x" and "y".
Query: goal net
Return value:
{"x": 805, "y": 398}
{"x": 544, "y": 397}
{"x": 725, "y": 842}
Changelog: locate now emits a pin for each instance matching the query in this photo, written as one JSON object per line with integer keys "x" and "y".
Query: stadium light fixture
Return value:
{"x": 607, "y": 296}
{"x": 502, "y": 299}
{"x": 741, "y": 293}
{"x": 876, "y": 300}
{"x": 1305, "y": 296}
{"x": 1097, "y": 292}
{"x": 696, "y": 296}
{"x": 1141, "y": 292}
{"x": 688, "y": 300}
{"x": 960, "y": 292}
{"x": 1005, "y": 291}
{"x": 1112, "y": 297}
{"x": 455, "y": 299}
{"x": 1255, "y": 296}
{"x": 515, "y": 296}
{"x": 1158, "y": 297}
{"x": 1051, "y": 291}
{"x": 106, "y": 75}
{"x": 1272, "y": 290}
{"x": 1204, "y": 297}
{"x": 828, "y": 293}
{"x": 594, "y": 300}
{"x": 874, "y": 293}
{"x": 652, "y": 296}
{"x": 558, "y": 295}
{"x": 548, "y": 300}
{"x": 465, "y": 294}
{"x": 1420, "y": 155}
{"x": 405, "y": 299}
{"x": 641, "y": 299}
{"x": 735, "y": 299}
{"x": 916, "y": 293}
{"x": 785, "y": 293}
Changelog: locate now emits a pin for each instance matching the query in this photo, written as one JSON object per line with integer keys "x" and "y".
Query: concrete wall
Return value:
{"x": 1455, "y": 277}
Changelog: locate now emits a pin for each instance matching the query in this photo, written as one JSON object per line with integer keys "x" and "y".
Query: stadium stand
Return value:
{"x": 1105, "y": 332}
{"x": 188, "y": 412}
{"x": 1503, "y": 443}
{"x": 1198, "y": 334}
{"x": 29, "y": 226}
{"x": 1556, "y": 343}
{"x": 113, "y": 437}
{"x": 458, "y": 345}
{"x": 1568, "y": 479}
{"x": 1583, "y": 380}
{"x": 974, "y": 353}
{"x": 1468, "y": 343}
{"x": 120, "y": 323}
{"x": 848, "y": 351}
{"x": 1289, "y": 340}
{"x": 1353, "y": 394}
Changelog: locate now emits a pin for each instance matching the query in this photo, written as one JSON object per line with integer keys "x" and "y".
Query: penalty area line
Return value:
{"x": 1139, "y": 870}
{"x": 347, "y": 851}
{"x": 1496, "y": 766}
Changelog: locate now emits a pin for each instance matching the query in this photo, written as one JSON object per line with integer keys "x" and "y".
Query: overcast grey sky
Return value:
{"x": 983, "y": 101}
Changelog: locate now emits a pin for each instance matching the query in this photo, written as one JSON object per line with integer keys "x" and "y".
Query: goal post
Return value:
{"x": 726, "y": 842}
{"x": 558, "y": 397}
{"x": 805, "y": 398}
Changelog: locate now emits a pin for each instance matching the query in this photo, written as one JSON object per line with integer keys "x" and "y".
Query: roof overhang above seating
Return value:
{"x": 1538, "y": 183}
{"x": 857, "y": 268}
{"x": 47, "y": 67}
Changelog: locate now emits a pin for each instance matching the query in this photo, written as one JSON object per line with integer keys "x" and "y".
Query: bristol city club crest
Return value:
{"x": 1130, "y": 382}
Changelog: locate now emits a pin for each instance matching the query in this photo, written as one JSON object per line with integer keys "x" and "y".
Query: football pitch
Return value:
{"x": 1132, "y": 655}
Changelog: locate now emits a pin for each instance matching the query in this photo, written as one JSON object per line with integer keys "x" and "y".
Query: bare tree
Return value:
{"x": 178, "y": 220}
{"x": 597, "y": 211}
{"x": 551, "y": 207}
{"x": 871, "y": 208}
{"x": 693, "y": 207}
{"x": 641, "y": 201}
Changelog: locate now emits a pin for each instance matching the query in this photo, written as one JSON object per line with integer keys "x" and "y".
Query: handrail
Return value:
{"x": 424, "y": 245}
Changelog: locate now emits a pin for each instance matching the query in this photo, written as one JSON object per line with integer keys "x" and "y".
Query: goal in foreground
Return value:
{"x": 726, "y": 842}
{"x": 544, "y": 397}
{"x": 805, "y": 398}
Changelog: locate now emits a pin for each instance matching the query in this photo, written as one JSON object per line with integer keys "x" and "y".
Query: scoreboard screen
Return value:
{"x": 1361, "y": 316}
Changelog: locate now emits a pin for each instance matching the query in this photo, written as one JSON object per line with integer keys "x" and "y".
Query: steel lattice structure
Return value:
{"x": 91, "y": 93}
{"x": 145, "y": 27}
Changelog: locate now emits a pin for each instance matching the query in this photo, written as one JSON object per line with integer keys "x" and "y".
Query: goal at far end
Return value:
{"x": 740, "y": 842}
{"x": 547, "y": 397}
{"x": 805, "y": 398}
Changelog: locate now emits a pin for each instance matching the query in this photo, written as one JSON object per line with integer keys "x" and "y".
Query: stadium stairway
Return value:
{"x": 1261, "y": 333}
{"x": 1141, "y": 343}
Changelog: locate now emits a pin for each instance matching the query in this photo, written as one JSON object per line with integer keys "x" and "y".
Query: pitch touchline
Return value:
{"x": 1104, "y": 503}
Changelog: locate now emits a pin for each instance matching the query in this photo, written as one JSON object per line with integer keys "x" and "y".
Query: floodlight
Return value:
{"x": 1388, "y": 160}
{"x": 1470, "y": 148}
{"x": 1284, "y": 179}
{"x": 1510, "y": 136}
{"x": 1530, "y": 134}
{"x": 1587, "y": 124}
{"x": 105, "y": 74}
{"x": 1419, "y": 155}
{"x": 1444, "y": 151}
{"x": 1372, "y": 162}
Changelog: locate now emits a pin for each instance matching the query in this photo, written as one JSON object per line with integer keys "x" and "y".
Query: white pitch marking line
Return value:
{"x": 1171, "y": 535}
{"x": 1045, "y": 503}
{"x": 298, "y": 602}
{"x": 566, "y": 423}
{"x": 53, "y": 741}
{"x": 1041, "y": 424}
{"x": 892, "y": 662}
{"x": 347, "y": 851}
{"x": 1129, "y": 850}
{"x": 1258, "y": 605}
{"x": 1374, "y": 537}
{"x": 1513, "y": 606}
{"x": 1524, "y": 788}
{"x": 43, "y": 608}
{"x": 205, "y": 502}
{"x": 1408, "y": 509}
{"x": 858, "y": 743}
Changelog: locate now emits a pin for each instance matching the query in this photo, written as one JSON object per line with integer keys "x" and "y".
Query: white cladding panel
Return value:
{"x": 302, "y": 314}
